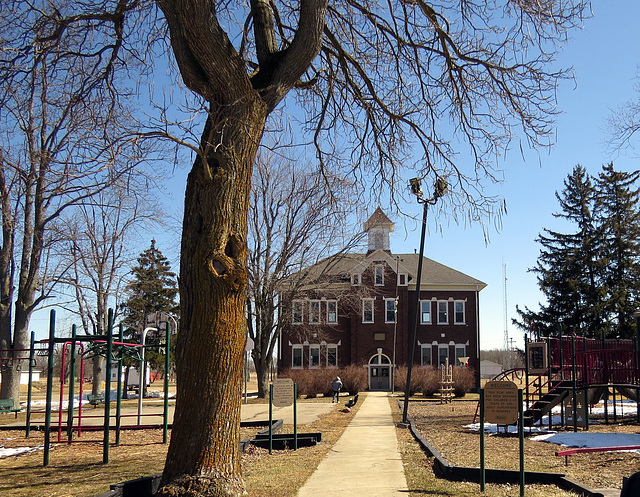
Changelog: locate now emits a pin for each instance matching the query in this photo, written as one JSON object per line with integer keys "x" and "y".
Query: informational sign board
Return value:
{"x": 283, "y": 392}
{"x": 501, "y": 402}
{"x": 537, "y": 354}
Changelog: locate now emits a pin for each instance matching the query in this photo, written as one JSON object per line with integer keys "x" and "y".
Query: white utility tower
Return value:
{"x": 506, "y": 319}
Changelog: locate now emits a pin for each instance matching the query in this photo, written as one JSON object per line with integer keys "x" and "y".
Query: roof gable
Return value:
{"x": 434, "y": 274}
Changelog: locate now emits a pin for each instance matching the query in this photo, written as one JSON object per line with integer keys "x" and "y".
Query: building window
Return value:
{"x": 314, "y": 356}
{"x": 297, "y": 311}
{"x": 379, "y": 276}
{"x": 390, "y": 306}
{"x": 332, "y": 311}
{"x": 443, "y": 354}
{"x": 356, "y": 279}
{"x": 314, "y": 311}
{"x": 458, "y": 312}
{"x": 461, "y": 351}
{"x": 425, "y": 312}
{"x": 443, "y": 312}
{"x": 367, "y": 310}
{"x": 296, "y": 357}
{"x": 332, "y": 356}
{"x": 402, "y": 279}
{"x": 425, "y": 355}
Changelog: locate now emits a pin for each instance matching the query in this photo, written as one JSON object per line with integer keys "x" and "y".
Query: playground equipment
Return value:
{"x": 113, "y": 351}
{"x": 574, "y": 373}
{"x": 446, "y": 383}
{"x": 10, "y": 356}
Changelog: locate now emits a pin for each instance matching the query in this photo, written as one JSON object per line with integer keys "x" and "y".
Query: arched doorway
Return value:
{"x": 379, "y": 372}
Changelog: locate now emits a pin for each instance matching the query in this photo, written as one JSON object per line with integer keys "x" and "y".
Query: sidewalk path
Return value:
{"x": 365, "y": 460}
{"x": 152, "y": 409}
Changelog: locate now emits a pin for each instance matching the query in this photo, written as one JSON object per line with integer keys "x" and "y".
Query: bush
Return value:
{"x": 302, "y": 379}
{"x": 463, "y": 380}
{"x": 418, "y": 375}
{"x": 430, "y": 381}
{"x": 312, "y": 382}
{"x": 322, "y": 379}
{"x": 354, "y": 379}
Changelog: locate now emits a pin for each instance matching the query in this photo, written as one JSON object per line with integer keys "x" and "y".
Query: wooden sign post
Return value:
{"x": 501, "y": 403}
{"x": 283, "y": 393}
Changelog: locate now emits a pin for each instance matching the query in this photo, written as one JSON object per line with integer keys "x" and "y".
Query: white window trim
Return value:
{"x": 446, "y": 302}
{"x": 372, "y": 310}
{"x": 301, "y": 349}
{"x": 314, "y": 346}
{"x": 318, "y": 313}
{"x": 443, "y": 346}
{"x": 430, "y": 313}
{"x": 395, "y": 311}
{"x": 356, "y": 279}
{"x": 464, "y": 313}
{"x": 335, "y": 347}
{"x": 406, "y": 279}
{"x": 430, "y": 349}
{"x": 455, "y": 351}
{"x": 376, "y": 268}
{"x": 335, "y": 321}
{"x": 293, "y": 311}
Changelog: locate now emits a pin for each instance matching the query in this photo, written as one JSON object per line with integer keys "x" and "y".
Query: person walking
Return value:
{"x": 336, "y": 386}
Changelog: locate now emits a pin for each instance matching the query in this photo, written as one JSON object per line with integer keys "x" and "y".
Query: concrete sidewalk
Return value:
{"x": 307, "y": 413}
{"x": 365, "y": 461}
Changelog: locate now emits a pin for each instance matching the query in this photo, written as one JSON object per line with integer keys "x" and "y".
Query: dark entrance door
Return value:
{"x": 379, "y": 378}
{"x": 379, "y": 372}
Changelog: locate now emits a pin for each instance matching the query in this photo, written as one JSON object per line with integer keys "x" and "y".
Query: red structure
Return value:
{"x": 597, "y": 362}
{"x": 579, "y": 372}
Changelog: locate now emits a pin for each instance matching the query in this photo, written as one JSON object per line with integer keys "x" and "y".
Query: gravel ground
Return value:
{"x": 443, "y": 426}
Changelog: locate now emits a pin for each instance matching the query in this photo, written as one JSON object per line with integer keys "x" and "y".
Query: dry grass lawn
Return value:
{"x": 442, "y": 425}
{"x": 77, "y": 470}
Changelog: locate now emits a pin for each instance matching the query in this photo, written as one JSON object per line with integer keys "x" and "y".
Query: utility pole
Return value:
{"x": 506, "y": 324}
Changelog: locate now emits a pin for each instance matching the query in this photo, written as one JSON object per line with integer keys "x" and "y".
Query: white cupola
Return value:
{"x": 378, "y": 227}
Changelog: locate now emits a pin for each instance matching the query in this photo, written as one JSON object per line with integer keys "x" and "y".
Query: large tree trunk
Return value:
{"x": 262, "y": 374}
{"x": 12, "y": 368}
{"x": 203, "y": 457}
{"x": 96, "y": 365}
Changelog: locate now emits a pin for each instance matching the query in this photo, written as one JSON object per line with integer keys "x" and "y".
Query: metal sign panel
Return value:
{"x": 283, "y": 392}
{"x": 537, "y": 355}
{"x": 501, "y": 402}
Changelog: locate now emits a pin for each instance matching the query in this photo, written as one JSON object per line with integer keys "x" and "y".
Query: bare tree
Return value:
{"x": 64, "y": 136}
{"x": 624, "y": 123}
{"x": 400, "y": 85}
{"x": 382, "y": 77}
{"x": 296, "y": 218}
{"x": 98, "y": 249}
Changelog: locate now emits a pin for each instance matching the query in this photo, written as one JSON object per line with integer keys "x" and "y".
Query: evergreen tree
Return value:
{"x": 153, "y": 289}
{"x": 619, "y": 213}
{"x": 570, "y": 265}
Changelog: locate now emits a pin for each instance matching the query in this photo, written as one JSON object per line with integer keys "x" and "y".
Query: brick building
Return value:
{"x": 356, "y": 309}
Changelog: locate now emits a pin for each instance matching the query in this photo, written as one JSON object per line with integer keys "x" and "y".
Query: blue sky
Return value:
{"x": 605, "y": 56}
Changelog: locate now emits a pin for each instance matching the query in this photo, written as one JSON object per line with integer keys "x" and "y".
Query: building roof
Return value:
{"x": 434, "y": 274}
{"x": 378, "y": 218}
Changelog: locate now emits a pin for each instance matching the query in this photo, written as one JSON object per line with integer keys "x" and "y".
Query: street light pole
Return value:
{"x": 395, "y": 328}
{"x": 439, "y": 190}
